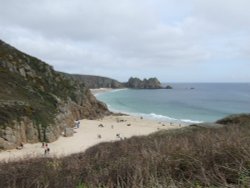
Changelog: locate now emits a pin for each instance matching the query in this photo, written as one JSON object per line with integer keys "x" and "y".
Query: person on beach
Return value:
{"x": 78, "y": 124}
{"x": 20, "y": 146}
{"x": 48, "y": 150}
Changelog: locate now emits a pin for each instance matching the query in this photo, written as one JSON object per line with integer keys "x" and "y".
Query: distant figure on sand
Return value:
{"x": 100, "y": 125}
{"x": 99, "y": 136}
{"x": 118, "y": 135}
{"x": 46, "y": 151}
{"x": 20, "y": 147}
{"x": 78, "y": 124}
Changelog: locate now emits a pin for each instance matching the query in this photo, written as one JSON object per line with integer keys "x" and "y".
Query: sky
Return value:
{"x": 173, "y": 40}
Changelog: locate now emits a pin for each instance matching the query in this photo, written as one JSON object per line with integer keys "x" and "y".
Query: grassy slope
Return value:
{"x": 97, "y": 81}
{"x": 189, "y": 157}
{"x": 34, "y": 95}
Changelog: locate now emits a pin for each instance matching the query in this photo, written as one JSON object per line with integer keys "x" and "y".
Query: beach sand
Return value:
{"x": 100, "y": 90}
{"x": 87, "y": 135}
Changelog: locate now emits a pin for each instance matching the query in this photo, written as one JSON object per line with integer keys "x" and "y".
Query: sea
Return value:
{"x": 186, "y": 102}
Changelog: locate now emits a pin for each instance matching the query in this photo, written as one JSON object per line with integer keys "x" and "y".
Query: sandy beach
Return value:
{"x": 89, "y": 134}
{"x": 100, "y": 90}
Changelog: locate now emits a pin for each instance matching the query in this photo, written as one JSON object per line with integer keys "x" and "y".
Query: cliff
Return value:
{"x": 136, "y": 83}
{"x": 97, "y": 81}
{"x": 104, "y": 82}
{"x": 36, "y": 102}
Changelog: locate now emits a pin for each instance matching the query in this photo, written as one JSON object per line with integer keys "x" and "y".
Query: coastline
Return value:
{"x": 91, "y": 132}
{"x": 152, "y": 116}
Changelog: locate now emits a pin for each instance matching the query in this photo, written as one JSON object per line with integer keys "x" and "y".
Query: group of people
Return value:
{"x": 46, "y": 148}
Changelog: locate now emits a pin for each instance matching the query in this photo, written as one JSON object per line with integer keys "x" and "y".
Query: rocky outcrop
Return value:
{"x": 20, "y": 131}
{"x": 36, "y": 102}
{"x": 151, "y": 83}
{"x": 68, "y": 132}
{"x": 168, "y": 87}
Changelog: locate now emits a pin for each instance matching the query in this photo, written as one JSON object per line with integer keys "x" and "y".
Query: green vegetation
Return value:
{"x": 31, "y": 88}
{"x": 21, "y": 98}
{"x": 189, "y": 157}
{"x": 34, "y": 95}
{"x": 96, "y": 81}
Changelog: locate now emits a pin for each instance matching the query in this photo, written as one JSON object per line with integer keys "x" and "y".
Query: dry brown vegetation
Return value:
{"x": 189, "y": 157}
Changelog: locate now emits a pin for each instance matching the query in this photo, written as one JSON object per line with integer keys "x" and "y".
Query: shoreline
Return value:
{"x": 100, "y": 90}
{"x": 91, "y": 132}
{"x": 151, "y": 116}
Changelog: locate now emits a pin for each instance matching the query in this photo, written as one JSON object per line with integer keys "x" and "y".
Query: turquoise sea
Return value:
{"x": 192, "y": 102}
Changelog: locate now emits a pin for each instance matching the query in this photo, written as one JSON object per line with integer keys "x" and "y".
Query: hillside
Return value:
{"x": 36, "y": 102}
{"x": 195, "y": 156}
{"x": 104, "y": 82}
{"x": 97, "y": 81}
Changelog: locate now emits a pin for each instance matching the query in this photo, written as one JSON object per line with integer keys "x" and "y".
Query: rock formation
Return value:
{"x": 136, "y": 83}
{"x": 104, "y": 82}
{"x": 168, "y": 87}
{"x": 36, "y": 102}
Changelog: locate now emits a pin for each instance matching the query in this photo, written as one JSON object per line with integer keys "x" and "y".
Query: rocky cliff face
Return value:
{"x": 36, "y": 102}
{"x": 151, "y": 83}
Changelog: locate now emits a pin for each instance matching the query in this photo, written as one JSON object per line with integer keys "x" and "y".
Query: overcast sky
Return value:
{"x": 174, "y": 40}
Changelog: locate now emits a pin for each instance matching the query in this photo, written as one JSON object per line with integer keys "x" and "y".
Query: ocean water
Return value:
{"x": 204, "y": 103}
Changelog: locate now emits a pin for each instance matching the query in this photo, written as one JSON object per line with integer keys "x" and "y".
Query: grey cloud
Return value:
{"x": 108, "y": 37}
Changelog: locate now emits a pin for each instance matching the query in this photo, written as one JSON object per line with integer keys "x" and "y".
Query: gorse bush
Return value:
{"x": 189, "y": 157}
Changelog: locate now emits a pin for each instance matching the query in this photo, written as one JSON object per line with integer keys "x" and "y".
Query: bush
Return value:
{"x": 188, "y": 157}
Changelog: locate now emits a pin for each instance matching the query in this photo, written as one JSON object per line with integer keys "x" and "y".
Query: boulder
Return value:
{"x": 68, "y": 132}
{"x": 169, "y": 87}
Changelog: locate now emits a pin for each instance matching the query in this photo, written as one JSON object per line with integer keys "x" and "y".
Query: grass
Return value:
{"x": 189, "y": 157}
{"x": 38, "y": 91}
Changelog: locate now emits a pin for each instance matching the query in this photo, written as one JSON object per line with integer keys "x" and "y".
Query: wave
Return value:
{"x": 151, "y": 115}
{"x": 156, "y": 116}
{"x": 159, "y": 116}
{"x": 190, "y": 121}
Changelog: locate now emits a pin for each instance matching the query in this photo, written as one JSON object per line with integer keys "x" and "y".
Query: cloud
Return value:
{"x": 143, "y": 37}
